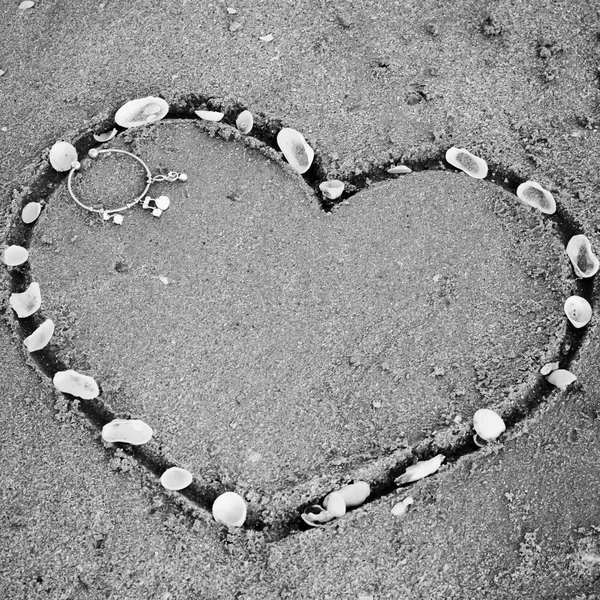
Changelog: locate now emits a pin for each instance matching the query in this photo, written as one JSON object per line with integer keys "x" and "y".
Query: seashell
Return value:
{"x": 354, "y": 494}
{"x": 106, "y": 136}
{"x": 335, "y": 504}
{"x": 128, "y": 431}
{"x": 561, "y": 378}
{"x": 488, "y": 424}
{"x": 40, "y": 337}
{"x": 15, "y": 255}
{"x": 245, "y": 121}
{"x": 62, "y": 156}
{"x": 76, "y": 384}
{"x": 421, "y": 469}
{"x": 26, "y": 4}
{"x": 316, "y": 516}
{"x": 175, "y": 478}
{"x": 465, "y": 161}
{"x": 266, "y": 38}
{"x": 31, "y": 212}
{"x": 229, "y": 509}
{"x": 332, "y": 188}
{"x": 141, "y": 112}
{"x": 210, "y": 115}
{"x": 579, "y": 250}
{"x": 535, "y": 195}
{"x": 399, "y": 170}
{"x": 295, "y": 149}
{"x": 578, "y": 311}
{"x": 401, "y": 508}
{"x": 27, "y": 302}
{"x": 548, "y": 368}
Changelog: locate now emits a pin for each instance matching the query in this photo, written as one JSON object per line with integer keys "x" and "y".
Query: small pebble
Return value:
{"x": 127, "y": 431}
{"x": 421, "y": 469}
{"x": 235, "y": 26}
{"x": 229, "y": 509}
{"x": 26, "y": 4}
{"x": 266, "y": 38}
{"x": 399, "y": 170}
{"x": 401, "y": 508}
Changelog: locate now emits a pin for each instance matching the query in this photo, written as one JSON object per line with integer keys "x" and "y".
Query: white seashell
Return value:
{"x": 548, "y": 368}
{"x": 354, "y": 494}
{"x": 266, "y": 38}
{"x": 27, "y": 302}
{"x": 62, "y": 156}
{"x": 106, "y": 136}
{"x": 488, "y": 424}
{"x": 465, "y": 161}
{"x": 399, "y": 170}
{"x": 162, "y": 202}
{"x": 229, "y": 509}
{"x": 15, "y": 255}
{"x": 578, "y": 311}
{"x": 579, "y": 250}
{"x": 40, "y": 337}
{"x": 561, "y": 378}
{"x": 245, "y": 121}
{"x": 26, "y": 4}
{"x": 421, "y": 469}
{"x": 76, "y": 384}
{"x": 316, "y": 516}
{"x": 128, "y": 431}
{"x": 210, "y": 115}
{"x": 401, "y": 508}
{"x": 31, "y": 212}
{"x": 141, "y": 112}
{"x": 335, "y": 504}
{"x": 175, "y": 478}
{"x": 535, "y": 195}
{"x": 332, "y": 188}
{"x": 295, "y": 149}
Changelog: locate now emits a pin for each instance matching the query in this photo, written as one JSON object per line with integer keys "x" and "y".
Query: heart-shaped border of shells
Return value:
{"x": 305, "y": 506}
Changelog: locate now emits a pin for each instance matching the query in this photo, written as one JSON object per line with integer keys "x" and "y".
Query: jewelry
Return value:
{"x": 158, "y": 205}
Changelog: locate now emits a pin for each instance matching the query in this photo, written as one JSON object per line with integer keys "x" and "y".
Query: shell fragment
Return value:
{"x": 31, "y": 212}
{"x": 401, "y": 508}
{"x": 141, "y": 111}
{"x": 40, "y": 337}
{"x": 332, "y": 188}
{"x": 245, "y": 122}
{"x": 76, "y": 384}
{"x": 127, "y": 431}
{"x": 579, "y": 251}
{"x": 421, "y": 469}
{"x": 548, "y": 368}
{"x": 62, "y": 156}
{"x": 175, "y": 478}
{"x": 316, "y": 516}
{"x": 488, "y": 424}
{"x": 28, "y": 302}
{"x": 295, "y": 149}
{"x": 578, "y": 311}
{"x": 465, "y": 161}
{"x": 533, "y": 194}
{"x": 561, "y": 378}
{"x": 229, "y": 509}
{"x": 399, "y": 170}
{"x": 353, "y": 495}
{"x": 106, "y": 136}
{"x": 15, "y": 255}
{"x": 335, "y": 504}
{"x": 209, "y": 115}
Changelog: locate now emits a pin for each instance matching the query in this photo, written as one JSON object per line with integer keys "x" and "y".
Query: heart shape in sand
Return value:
{"x": 274, "y": 347}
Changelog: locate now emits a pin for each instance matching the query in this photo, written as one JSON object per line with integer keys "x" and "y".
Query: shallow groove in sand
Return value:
{"x": 381, "y": 472}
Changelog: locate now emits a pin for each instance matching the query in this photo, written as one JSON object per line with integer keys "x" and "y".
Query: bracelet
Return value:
{"x": 156, "y": 205}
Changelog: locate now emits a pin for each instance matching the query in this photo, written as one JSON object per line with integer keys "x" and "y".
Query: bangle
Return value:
{"x": 158, "y": 205}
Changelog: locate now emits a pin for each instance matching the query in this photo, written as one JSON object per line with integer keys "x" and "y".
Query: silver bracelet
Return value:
{"x": 156, "y": 205}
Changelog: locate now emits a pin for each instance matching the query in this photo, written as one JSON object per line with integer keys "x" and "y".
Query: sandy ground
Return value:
{"x": 367, "y": 83}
